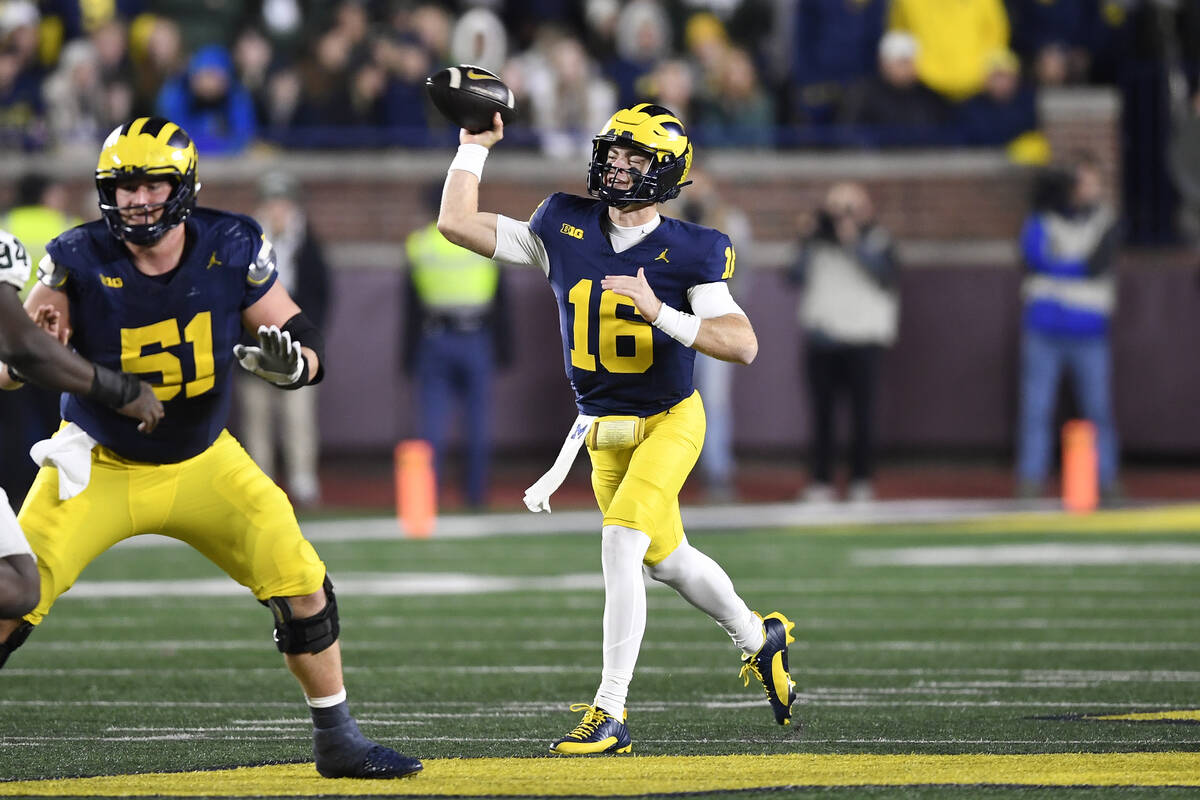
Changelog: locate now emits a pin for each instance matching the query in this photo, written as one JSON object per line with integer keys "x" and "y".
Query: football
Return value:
{"x": 469, "y": 96}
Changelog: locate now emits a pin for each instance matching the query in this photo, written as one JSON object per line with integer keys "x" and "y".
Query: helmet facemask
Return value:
{"x": 175, "y": 209}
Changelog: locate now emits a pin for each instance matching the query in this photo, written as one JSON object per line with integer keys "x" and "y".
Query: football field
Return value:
{"x": 1008, "y": 656}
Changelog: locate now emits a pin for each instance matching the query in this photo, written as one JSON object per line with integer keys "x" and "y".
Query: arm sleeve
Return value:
{"x": 260, "y": 273}
{"x": 710, "y": 300}
{"x": 516, "y": 243}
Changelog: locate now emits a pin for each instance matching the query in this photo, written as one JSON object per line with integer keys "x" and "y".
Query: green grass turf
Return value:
{"x": 888, "y": 659}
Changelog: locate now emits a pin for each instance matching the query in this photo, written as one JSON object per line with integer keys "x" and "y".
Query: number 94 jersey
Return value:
{"x": 176, "y": 334}
{"x": 617, "y": 362}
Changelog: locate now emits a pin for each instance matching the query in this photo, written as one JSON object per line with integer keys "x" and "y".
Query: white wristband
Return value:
{"x": 470, "y": 158}
{"x": 680, "y": 326}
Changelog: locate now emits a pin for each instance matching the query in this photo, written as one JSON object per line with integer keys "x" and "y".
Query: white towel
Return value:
{"x": 70, "y": 450}
{"x": 537, "y": 497}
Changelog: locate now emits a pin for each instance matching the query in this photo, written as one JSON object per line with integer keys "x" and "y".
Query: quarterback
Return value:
{"x": 638, "y": 294}
{"x": 29, "y": 352}
{"x": 163, "y": 289}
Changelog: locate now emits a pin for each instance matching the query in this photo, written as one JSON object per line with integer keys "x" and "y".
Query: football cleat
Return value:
{"x": 597, "y": 732}
{"x": 379, "y": 762}
{"x": 770, "y": 666}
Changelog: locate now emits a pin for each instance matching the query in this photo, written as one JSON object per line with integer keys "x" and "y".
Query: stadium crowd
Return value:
{"x": 742, "y": 73}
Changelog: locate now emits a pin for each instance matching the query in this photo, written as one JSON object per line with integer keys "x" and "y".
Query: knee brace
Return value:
{"x": 14, "y": 640}
{"x": 310, "y": 634}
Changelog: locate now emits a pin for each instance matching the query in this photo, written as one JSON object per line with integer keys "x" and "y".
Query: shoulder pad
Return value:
{"x": 51, "y": 274}
{"x": 263, "y": 266}
{"x": 14, "y": 261}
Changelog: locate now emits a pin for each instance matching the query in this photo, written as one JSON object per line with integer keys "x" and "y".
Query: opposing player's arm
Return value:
{"x": 459, "y": 218}
{"x": 277, "y": 310}
{"x": 39, "y": 356}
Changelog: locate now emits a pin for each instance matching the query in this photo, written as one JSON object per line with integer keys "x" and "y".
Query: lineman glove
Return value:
{"x": 277, "y": 358}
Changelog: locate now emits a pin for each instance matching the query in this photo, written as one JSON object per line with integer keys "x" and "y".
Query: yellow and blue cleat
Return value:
{"x": 770, "y": 666}
{"x": 598, "y": 732}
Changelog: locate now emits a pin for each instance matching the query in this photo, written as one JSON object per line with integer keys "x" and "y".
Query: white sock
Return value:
{"x": 622, "y": 550}
{"x": 703, "y": 583}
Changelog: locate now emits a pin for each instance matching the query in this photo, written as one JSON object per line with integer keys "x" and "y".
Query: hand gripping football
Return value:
{"x": 469, "y": 96}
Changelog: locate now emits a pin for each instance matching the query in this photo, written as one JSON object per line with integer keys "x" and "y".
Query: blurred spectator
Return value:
{"x": 406, "y": 105}
{"x": 737, "y": 112}
{"x": 1054, "y": 36}
{"x": 205, "y": 22}
{"x": 671, "y": 85}
{"x": 253, "y": 62}
{"x": 639, "y": 40}
{"x": 66, "y": 20}
{"x": 570, "y": 99}
{"x": 455, "y": 336}
{"x": 893, "y": 107}
{"x": 81, "y": 110}
{"x": 703, "y": 204}
{"x": 432, "y": 25}
{"x": 42, "y": 211}
{"x": 22, "y": 121}
{"x": 849, "y": 313}
{"x": 955, "y": 40}
{"x": 268, "y": 417}
{"x": 1004, "y": 113}
{"x": 210, "y": 104}
{"x": 111, "y": 40}
{"x": 156, "y": 50}
{"x": 835, "y": 43}
{"x": 1068, "y": 243}
{"x": 478, "y": 38}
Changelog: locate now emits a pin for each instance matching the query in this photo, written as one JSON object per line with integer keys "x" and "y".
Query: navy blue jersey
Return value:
{"x": 176, "y": 335}
{"x": 617, "y": 362}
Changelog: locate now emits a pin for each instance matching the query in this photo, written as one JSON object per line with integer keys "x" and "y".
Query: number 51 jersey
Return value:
{"x": 177, "y": 333}
{"x": 617, "y": 362}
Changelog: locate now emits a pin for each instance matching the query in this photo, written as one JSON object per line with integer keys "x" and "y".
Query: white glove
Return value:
{"x": 277, "y": 358}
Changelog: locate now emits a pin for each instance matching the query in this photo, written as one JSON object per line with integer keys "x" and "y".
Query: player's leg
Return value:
{"x": 477, "y": 390}
{"x": 299, "y": 426}
{"x": 66, "y": 535}
{"x": 19, "y": 582}
{"x": 256, "y": 399}
{"x": 436, "y": 395}
{"x": 819, "y": 366}
{"x": 1040, "y": 369}
{"x": 602, "y": 728}
{"x": 1091, "y": 365}
{"x": 225, "y": 507}
{"x": 664, "y": 459}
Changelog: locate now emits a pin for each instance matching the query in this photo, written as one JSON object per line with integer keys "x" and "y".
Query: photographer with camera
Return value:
{"x": 849, "y": 312}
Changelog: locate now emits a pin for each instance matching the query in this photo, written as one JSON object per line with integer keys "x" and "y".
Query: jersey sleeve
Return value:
{"x": 516, "y": 243}
{"x": 718, "y": 263}
{"x": 14, "y": 261}
{"x": 537, "y": 222}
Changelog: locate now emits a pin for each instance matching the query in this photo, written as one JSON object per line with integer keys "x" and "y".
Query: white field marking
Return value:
{"x": 377, "y": 585}
{"x": 541, "y": 645}
{"x": 696, "y": 518}
{"x": 1053, "y": 554}
{"x": 404, "y": 584}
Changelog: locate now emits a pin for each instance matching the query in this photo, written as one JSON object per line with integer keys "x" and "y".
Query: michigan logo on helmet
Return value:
{"x": 659, "y": 133}
{"x": 147, "y": 147}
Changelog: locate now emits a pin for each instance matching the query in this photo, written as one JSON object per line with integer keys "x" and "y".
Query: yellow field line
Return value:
{"x": 1180, "y": 715}
{"x": 633, "y": 775}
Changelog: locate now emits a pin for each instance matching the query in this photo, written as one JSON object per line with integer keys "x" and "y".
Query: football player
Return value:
{"x": 29, "y": 352}
{"x": 638, "y": 294}
{"x": 163, "y": 288}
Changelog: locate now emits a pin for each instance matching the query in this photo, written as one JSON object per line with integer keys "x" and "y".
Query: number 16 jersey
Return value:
{"x": 617, "y": 362}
